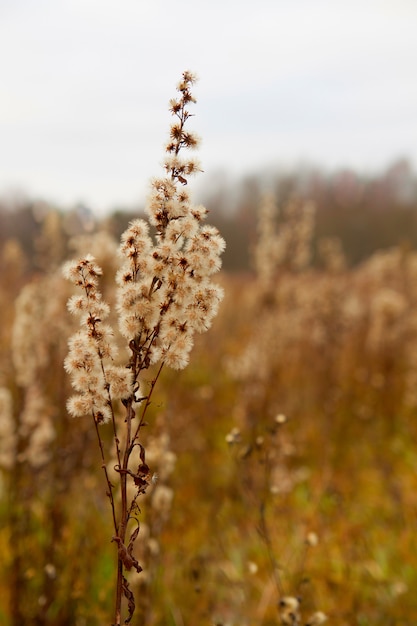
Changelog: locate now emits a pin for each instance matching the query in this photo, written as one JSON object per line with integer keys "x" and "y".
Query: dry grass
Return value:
{"x": 294, "y": 435}
{"x": 334, "y": 353}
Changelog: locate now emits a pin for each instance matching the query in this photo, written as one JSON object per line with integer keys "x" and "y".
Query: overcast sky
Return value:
{"x": 85, "y": 85}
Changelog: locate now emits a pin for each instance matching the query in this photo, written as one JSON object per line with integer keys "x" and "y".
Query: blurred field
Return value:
{"x": 294, "y": 432}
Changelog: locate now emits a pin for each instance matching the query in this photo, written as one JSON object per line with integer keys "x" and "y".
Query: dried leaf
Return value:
{"x": 130, "y": 600}
{"x": 125, "y": 554}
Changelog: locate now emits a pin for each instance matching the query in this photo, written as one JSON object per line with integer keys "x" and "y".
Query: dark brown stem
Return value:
{"x": 123, "y": 473}
{"x": 103, "y": 465}
{"x": 146, "y": 405}
{"x": 124, "y": 517}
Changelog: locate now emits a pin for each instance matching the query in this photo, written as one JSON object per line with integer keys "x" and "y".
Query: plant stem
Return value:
{"x": 103, "y": 465}
{"x": 123, "y": 513}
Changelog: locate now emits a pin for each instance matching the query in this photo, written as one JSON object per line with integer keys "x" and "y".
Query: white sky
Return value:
{"x": 85, "y": 84}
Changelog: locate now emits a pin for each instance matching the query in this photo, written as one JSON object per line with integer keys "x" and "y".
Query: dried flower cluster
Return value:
{"x": 37, "y": 336}
{"x": 92, "y": 349}
{"x": 165, "y": 289}
{"x": 287, "y": 246}
{"x": 164, "y": 295}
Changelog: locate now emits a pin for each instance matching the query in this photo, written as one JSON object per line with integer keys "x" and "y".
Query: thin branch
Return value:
{"x": 104, "y": 466}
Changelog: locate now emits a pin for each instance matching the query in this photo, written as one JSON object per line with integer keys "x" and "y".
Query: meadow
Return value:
{"x": 285, "y": 452}
{"x": 282, "y": 458}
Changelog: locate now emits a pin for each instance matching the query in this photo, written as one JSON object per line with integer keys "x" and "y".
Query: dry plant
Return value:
{"x": 334, "y": 348}
{"x": 264, "y": 480}
{"x": 164, "y": 295}
{"x": 261, "y": 448}
{"x": 40, "y": 463}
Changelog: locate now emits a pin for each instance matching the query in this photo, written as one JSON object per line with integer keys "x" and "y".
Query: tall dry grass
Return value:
{"x": 284, "y": 452}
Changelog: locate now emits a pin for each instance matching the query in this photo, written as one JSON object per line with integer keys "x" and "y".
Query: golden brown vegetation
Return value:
{"x": 293, "y": 426}
{"x": 283, "y": 457}
{"x": 164, "y": 296}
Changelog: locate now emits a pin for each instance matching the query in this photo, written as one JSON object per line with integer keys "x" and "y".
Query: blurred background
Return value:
{"x": 286, "y": 450}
